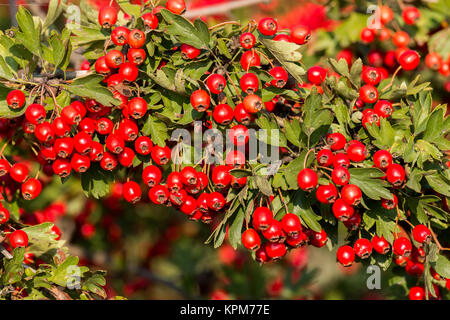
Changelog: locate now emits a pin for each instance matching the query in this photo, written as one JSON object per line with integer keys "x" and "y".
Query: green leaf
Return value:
{"x": 235, "y": 230}
{"x": 96, "y": 182}
{"x": 55, "y": 8}
{"x": 367, "y": 179}
{"x": 63, "y": 274}
{"x": 156, "y": 129}
{"x": 293, "y": 131}
{"x": 185, "y": 31}
{"x": 90, "y": 87}
{"x": 303, "y": 208}
{"x": 439, "y": 183}
{"x": 288, "y": 54}
{"x": 42, "y": 239}
{"x": 130, "y": 9}
{"x": 13, "y": 269}
{"x": 442, "y": 266}
{"x": 29, "y": 35}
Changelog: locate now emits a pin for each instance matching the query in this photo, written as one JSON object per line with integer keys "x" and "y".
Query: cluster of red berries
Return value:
{"x": 408, "y": 59}
{"x": 278, "y": 236}
{"x": 17, "y": 176}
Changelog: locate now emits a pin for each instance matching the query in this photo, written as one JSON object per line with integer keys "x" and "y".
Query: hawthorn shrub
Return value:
{"x": 350, "y": 143}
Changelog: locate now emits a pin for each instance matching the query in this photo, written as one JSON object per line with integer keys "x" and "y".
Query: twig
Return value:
{"x": 392, "y": 79}
{"x": 440, "y": 248}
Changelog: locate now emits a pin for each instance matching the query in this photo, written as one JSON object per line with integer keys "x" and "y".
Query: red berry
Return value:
{"x": 250, "y": 59}
{"x": 345, "y": 255}
{"x": 395, "y": 174}
{"x": 221, "y": 176}
{"x": 18, "y": 238}
{"x": 336, "y": 141}
{"x": 262, "y": 218}
{"x": 18, "y": 172}
{"x": 340, "y": 176}
{"x": 82, "y": 142}
{"x": 380, "y": 244}
{"x": 128, "y": 71}
{"x": 357, "y": 152}
{"x": 325, "y": 157}
{"x": 371, "y": 76}
{"x": 383, "y": 108}
{"x": 15, "y": 99}
{"x": 150, "y": 20}
{"x": 275, "y": 250}
{"x": 250, "y": 239}
{"x": 341, "y": 160}
{"x": 108, "y": 161}
{"x": 363, "y": 248}
{"x": 341, "y": 210}
{"x": 4, "y": 167}
{"x": 241, "y": 115}
{"x": 249, "y": 83}
{"x": 300, "y": 35}
{"x": 433, "y": 61}
{"x": 367, "y": 35}
{"x": 353, "y": 222}
{"x": 177, "y": 198}
{"x": 216, "y": 201}
{"x": 307, "y": 179}
{"x": 128, "y": 130}
{"x": 326, "y": 193}
{"x": 132, "y": 192}
{"x": 158, "y": 194}
{"x": 200, "y": 100}
{"x": 63, "y": 147}
{"x": 239, "y": 136}
{"x": 409, "y": 60}
{"x": 416, "y": 293}
{"x": 126, "y": 157}
{"x": 35, "y": 113}
{"x": 351, "y": 194}
{"x": 107, "y": 17}
{"x": 247, "y": 40}
{"x": 44, "y": 132}
{"x": 267, "y": 26}
{"x": 70, "y": 115}
{"x": 119, "y": 36}
{"x": 216, "y": 83}
{"x": 400, "y": 39}
{"x": 410, "y": 15}
{"x": 189, "y": 207}
{"x": 4, "y": 215}
{"x": 151, "y": 176}
{"x": 252, "y": 103}
{"x": 291, "y": 224}
{"x": 402, "y": 247}
{"x": 421, "y": 233}
{"x": 317, "y": 239}
{"x": 223, "y": 114}
{"x": 101, "y": 66}
{"x": 189, "y": 176}
{"x": 56, "y": 231}
{"x": 114, "y": 58}
{"x": 136, "y": 38}
{"x": 80, "y": 163}
{"x": 136, "y": 56}
{"x": 368, "y": 93}
{"x": 280, "y": 77}
{"x": 104, "y": 126}
{"x": 62, "y": 167}
{"x": 161, "y": 155}
{"x": 189, "y": 52}
{"x": 176, "y": 6}
{"x": 143, "y": 145}
{"x": 316, "y": 75}
{"x": 31, "y": 188}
